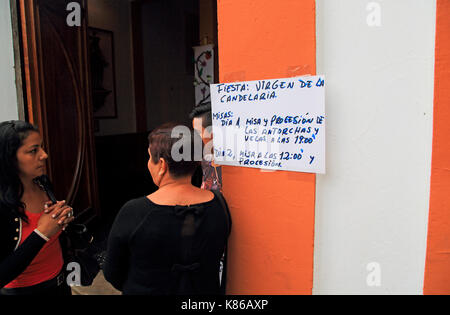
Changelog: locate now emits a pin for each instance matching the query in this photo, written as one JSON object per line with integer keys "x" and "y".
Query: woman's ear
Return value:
{"x": 163, "y": 168}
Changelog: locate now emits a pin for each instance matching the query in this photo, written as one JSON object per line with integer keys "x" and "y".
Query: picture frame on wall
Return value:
{"x": 102, "y": 66}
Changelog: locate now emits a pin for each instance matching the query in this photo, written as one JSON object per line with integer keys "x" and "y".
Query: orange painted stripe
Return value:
{"x": 272, "y": 242}
{"x": 437, "y": 267}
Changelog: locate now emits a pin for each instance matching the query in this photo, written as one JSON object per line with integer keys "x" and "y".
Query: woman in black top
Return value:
{"x": 171, "y": 241}
{"x": 22, "y": 158}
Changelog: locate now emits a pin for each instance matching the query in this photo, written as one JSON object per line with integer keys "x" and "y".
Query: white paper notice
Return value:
{"x": 276, "y": 124}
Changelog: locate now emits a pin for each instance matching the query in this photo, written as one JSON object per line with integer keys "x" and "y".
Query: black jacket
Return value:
{"x": 14, "y": 259}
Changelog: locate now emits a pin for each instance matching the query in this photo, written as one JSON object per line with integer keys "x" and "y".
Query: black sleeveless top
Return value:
{"x": 166, "y": 250}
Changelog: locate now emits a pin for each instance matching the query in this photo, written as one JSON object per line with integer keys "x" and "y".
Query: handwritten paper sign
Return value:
{"x": 276, "y": 124}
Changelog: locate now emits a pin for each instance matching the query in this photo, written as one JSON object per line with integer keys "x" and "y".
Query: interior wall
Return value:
{"x": 372, "y": 204}
{"x": 8, "y": 104}
{"x": 169, "y": 30}
{"x": 115, "y": 16}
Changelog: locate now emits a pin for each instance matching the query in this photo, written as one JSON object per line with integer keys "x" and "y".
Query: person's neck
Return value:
{"x": 176, "y": 184}
{"x": 29, "y": 187}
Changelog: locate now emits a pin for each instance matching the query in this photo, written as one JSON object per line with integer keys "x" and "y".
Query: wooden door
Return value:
{"x": 58, "y": 98}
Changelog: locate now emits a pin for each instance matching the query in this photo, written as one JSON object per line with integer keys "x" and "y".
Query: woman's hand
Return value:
{"x": 55, "y": 218}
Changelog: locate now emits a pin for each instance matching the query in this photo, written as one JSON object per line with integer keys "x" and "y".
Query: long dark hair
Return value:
{"x": 12, "y": 135}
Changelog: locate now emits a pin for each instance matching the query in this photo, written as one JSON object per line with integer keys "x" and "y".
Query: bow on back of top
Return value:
{"x": 182, "y": 271}
{"x": 181, "y": 211}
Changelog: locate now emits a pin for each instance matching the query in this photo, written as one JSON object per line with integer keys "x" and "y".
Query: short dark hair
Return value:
{"x": 12, "y": 135}
{"x": 203, "y": 111}
{"x": 161, "y": 141}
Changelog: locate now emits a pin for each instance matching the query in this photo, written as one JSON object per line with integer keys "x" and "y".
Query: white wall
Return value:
{"x": 372, "y": 204}
{"x": 8, "y": 93}
{"x": 115, "y": 16}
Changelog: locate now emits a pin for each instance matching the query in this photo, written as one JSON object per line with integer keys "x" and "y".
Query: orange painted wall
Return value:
{"x": 272, "y": 242}
{"x": 437, "y": 268}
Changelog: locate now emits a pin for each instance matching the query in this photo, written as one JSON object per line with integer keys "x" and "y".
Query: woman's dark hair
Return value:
{"x": 12, "y": 135}
{"x": 204, "y": 112}
{"x": 163, "y": 138}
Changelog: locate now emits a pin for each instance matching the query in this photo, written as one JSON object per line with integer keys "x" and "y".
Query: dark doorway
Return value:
{"x": 154, "y": 71}
{"x": 99, "y": 161}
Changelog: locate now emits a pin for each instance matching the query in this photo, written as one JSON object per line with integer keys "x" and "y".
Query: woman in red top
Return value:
{"x": 31, "y": 260}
